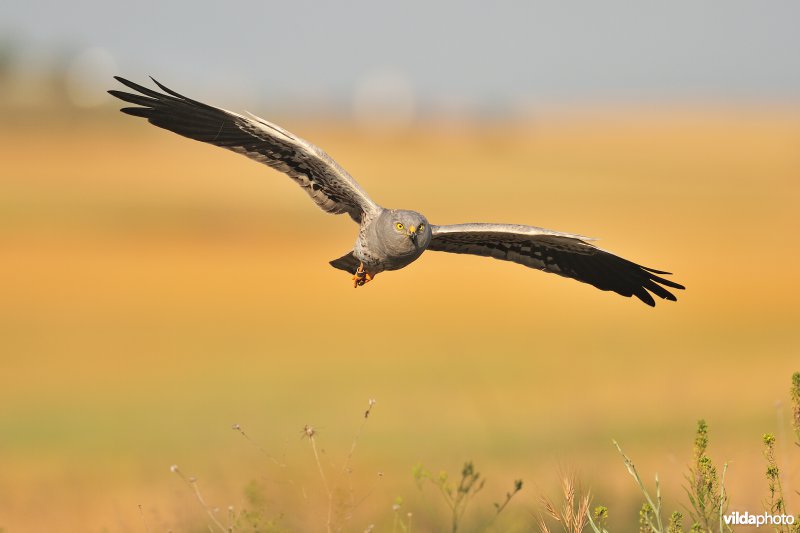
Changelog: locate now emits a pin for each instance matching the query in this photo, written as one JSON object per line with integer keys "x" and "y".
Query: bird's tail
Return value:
{"x": 347, "y": 262}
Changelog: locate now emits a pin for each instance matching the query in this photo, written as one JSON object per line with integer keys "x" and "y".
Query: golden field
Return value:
{"x": 155, "y": 291}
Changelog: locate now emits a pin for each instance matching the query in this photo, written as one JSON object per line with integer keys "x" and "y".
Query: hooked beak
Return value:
{"x": 412, "y": 234}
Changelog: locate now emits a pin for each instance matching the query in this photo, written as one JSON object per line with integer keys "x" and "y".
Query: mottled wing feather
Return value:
{"x": 328, "y": 184}
{"x": 564, "y": 254}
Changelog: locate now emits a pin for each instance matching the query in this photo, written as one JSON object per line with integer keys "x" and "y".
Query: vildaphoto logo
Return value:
{"x": 746, "y": 519}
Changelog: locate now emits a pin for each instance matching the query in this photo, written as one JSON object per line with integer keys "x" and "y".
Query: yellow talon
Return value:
{"x": 361, "y": 276}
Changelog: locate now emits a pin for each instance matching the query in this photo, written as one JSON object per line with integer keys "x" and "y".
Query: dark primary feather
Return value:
{"x": 559, "y": 254}
{"x": 333, "y": 189}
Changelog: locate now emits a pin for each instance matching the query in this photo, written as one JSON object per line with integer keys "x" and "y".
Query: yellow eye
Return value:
{"x": 399, "y": 226}
{"x": 421, "y": 227}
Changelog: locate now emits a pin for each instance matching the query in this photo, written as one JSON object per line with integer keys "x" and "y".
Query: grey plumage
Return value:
{"x": 390, "y": 239}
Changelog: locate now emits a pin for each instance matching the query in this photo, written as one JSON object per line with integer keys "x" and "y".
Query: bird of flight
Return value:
{"x": 389, "y": 239}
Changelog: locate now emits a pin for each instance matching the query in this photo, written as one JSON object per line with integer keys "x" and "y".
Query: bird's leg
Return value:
{"x": 361, "y": 276}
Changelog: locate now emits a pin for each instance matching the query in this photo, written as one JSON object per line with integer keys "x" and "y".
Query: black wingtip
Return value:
{"x": 160, "y": 85}
{"x": 122, "y": 80}
{"x": 645, "y": 297}
{"x": 126, "y": 82}
{"x": 165, "y": 88}
{"x": 144, "y": 112}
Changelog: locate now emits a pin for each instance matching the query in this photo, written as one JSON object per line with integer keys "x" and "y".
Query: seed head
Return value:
{"x": 370, "y": 403}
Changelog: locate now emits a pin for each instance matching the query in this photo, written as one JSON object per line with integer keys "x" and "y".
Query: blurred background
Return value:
{"x": 155, "y": 291}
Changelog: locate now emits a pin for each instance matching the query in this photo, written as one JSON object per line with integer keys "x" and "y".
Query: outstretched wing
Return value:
{"x": 564, "y": 254}
{"x": 328, "y": 184}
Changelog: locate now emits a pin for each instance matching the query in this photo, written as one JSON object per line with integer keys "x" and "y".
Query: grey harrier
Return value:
{"x": 389, "y": 239}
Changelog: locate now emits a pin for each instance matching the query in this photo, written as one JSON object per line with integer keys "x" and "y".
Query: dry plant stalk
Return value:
{"x": 192, "y": 483}
{"x": 574, "y": 512}
{"x": 311, "y": 433}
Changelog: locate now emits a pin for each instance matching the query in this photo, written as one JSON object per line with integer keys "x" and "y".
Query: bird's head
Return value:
{"x": 405, "y": 232}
